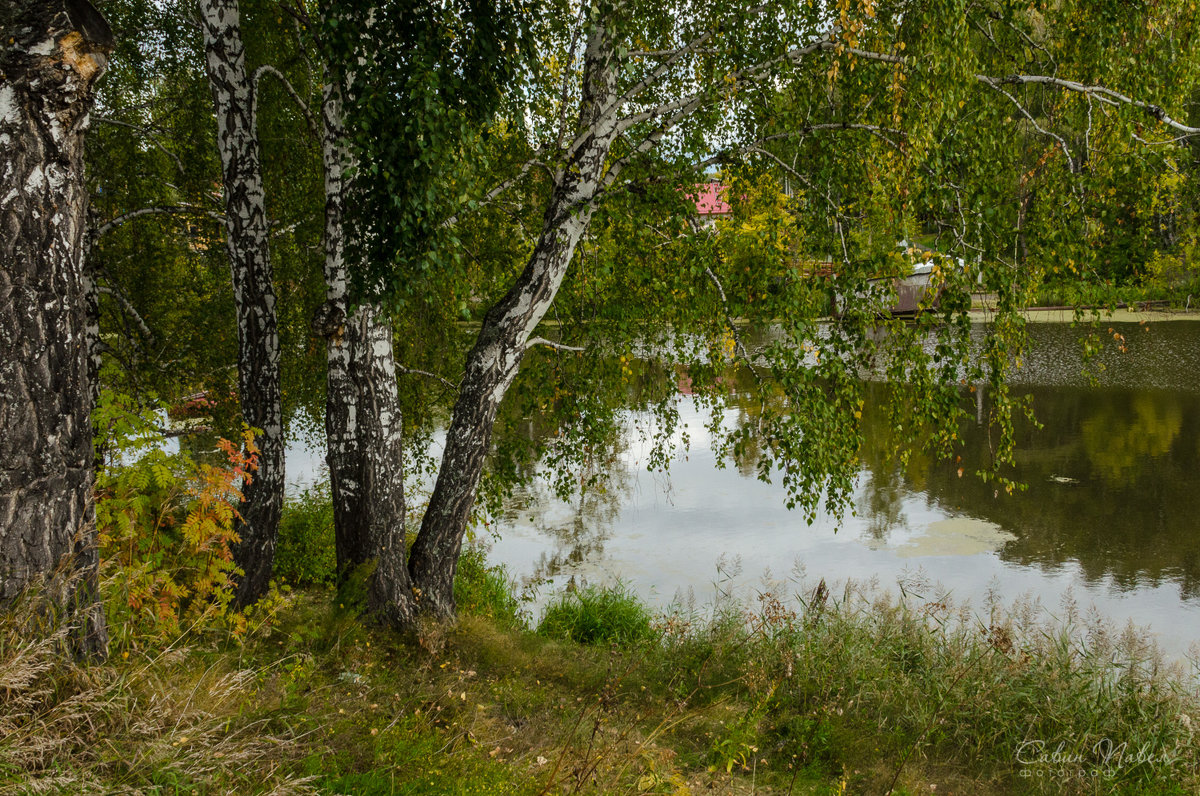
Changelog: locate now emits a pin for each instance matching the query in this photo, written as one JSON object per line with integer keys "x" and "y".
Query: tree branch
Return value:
{"x": 784, "y": 165}
{"x": 1099, "y": 93}
{"x": 180, "y": 209}
{"x": 646, "y": 144}
{"x": 536, "y": 341}
{"x": 737, "y": 338}
{"x": 669, "y": 53}
{"x": 571, "y": 51}
{"x": 128, "y": 307}
{"x": 753, "y": 147}
{"x": 755, "y": 73}
{"x": 874, "y": 129}
{"x": 149, "y": 135}
{"x": 501, "y": 188}
{"x": 282, "y": 230}
{"x": 671, "y": 59}
{"x": 267, "y": 69}
{"x": 1061, "y": 142}
{"x": 427, "y": 374}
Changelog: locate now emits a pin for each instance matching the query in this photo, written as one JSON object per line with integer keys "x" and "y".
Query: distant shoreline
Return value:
{"x": 1067, "y": 315}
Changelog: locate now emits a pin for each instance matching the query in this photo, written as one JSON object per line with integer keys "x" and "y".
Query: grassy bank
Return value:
{"x": 850, "y": 692}
{"x": 1083, "y": 294}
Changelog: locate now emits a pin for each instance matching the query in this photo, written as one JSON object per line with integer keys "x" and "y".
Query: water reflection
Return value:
{"x": 1112, "y": 483}
{"x": 577, "y": 530}
{"x": 1111, "y": 504}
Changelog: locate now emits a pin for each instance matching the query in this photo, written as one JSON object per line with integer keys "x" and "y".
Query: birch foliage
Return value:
{"x": 998, "y": 134}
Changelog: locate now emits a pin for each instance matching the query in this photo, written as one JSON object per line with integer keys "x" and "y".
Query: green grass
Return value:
{"x": 596, "y": 615}
{"x": 486, "y": 590}
{"x": 304, "y": 551}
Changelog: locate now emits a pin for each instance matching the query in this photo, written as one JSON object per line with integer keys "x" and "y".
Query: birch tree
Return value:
{"x": 361, "y": 412}
{"x": 247, "y": 238}
{"x": 650, "y": 95}
{"x": 448, "y": 64}
{"x": 363, "y": 421}
{"x": 51, "y": 55}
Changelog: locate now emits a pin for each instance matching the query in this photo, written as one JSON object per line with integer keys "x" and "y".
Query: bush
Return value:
{"x": 304, "y": 553}
{"x": 165, "y": 523}
{"x": 486, "y": 590}
{"x": 594, "y": 614}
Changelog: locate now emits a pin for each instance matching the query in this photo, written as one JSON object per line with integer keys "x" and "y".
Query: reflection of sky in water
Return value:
{"x": 668, "y": 533}
{"x": 665, "y": 534}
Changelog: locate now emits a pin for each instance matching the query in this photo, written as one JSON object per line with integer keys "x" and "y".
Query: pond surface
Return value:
{"x": 1110, "y": 518}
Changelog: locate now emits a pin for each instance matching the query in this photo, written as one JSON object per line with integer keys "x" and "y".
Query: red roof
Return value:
{"x": 709, "y": 199}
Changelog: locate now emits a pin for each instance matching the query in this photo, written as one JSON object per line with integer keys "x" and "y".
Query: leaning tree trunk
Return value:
{"x": 52, "y": 54}
{"x": 493, "y": 362}
{"x": 253, "y": 293}
{"x": 362, "y": 408}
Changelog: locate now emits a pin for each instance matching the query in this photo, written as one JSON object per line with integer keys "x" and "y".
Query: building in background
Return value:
{"x": 711, "y": 203}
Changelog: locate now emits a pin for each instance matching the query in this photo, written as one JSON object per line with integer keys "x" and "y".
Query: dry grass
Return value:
{"x": 129, "y": 726}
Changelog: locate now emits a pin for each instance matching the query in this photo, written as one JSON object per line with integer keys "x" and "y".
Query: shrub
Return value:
{"x": 594, "y": 614}
{"x": 305, "y": 553}
{"x": 165, "y": 523}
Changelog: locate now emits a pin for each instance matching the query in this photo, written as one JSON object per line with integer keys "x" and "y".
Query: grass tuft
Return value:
{"x": 150, "y": 722}
{"x": 597, "y": 615}
{"x": 487, "y": 590}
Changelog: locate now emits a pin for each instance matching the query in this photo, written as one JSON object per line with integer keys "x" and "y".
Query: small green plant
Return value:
{"x": 305, "y": 553}
{"x": 595, "y": 614}
{"x": 486, "y": 590}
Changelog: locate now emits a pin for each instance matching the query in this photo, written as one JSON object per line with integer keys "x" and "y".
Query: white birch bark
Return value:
{"x": 362, "y": 406}
{"x": 247, "y": 230}
{"x": 503, "y": 338}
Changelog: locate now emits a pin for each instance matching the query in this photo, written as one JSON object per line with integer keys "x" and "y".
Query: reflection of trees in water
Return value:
{"x": 593, "y": 510}
{"x": 886, "y": 479}
{"x": 1112, "y": 483}
{"x": 747, "y": 455}
{"x": 1119, "y": 445}
{"x": 881, "y": 501}
{"x": 1112, "y": 477}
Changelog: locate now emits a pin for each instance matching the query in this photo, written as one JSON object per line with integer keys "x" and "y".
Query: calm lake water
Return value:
{"x": 1110, "y": 518}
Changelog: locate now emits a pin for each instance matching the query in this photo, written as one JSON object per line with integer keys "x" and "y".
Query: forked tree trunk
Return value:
{"x": 52, "y": 54}
{"x": 493, "y": 362}
{"x": 362, "y": 407}
{"x": 254, "y": 295}
{"x": 381, "y": 466}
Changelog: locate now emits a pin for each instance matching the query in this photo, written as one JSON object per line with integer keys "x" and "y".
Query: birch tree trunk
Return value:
{"x": 362, "y": 407}
{"x": 493, "y": 362}
{"x": 253, "y": 292}
{"x": 52, "y": 54}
